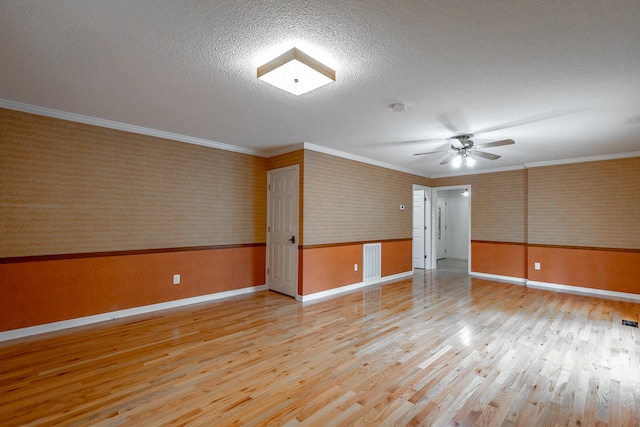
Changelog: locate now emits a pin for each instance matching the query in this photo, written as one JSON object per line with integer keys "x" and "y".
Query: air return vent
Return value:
{"x": 371, "y": 261}
{"x": 629, "y": 323}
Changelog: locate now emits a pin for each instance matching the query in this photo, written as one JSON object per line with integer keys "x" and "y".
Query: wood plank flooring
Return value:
{"x": 437, "y": 349}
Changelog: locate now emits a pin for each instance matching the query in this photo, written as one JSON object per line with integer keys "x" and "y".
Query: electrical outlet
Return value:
{"x": 176, "y": 279}
{"x": 355, "y": 267}
{"x": 536, "y": 266}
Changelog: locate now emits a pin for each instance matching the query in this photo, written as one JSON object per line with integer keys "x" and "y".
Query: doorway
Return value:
{"x": 421, "y": 251}
{"x": 451, "y": 234}
{"x": 282, "y": 230}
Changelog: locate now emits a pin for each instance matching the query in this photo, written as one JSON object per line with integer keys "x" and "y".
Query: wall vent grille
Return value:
{"x": 371, "y": 261}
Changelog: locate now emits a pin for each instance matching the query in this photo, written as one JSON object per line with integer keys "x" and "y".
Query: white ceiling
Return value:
{"x": 561, "y": 78}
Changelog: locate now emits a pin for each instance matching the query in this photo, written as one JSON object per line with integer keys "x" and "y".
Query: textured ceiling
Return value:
{"x": 561, "y": 78}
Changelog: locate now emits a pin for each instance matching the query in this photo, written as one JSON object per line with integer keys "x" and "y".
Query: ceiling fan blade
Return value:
{"x": 496, "y": 143}
{"x": 438, "y": 151}
{"x": 448, "y": 159}
{"x": 407, "y": 143}
{"x": 485, "y": 155}
{"x": 430, "y": 152}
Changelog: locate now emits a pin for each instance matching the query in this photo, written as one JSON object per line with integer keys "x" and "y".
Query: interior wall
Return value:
{"x": 498, "y": 221}
{"x": 95, "y": 220}
{"x": 74, "y": 188}
{"x": 578, "y": 221}
{"x": 590, "y": 204}
{"x": 498, "y": 204}
{"x": 583, "y": 225}
{"x": 348, "y": 203}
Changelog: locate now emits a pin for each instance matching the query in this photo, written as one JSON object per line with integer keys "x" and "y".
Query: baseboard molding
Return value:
{"x": 515, "y": 280}
{"x": 353, "y": 287}
{"x": 599, "y": 293}
{"x": 82, "y": 321}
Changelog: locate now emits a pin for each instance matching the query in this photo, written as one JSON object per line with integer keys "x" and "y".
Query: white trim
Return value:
{"x": 109, "y": 124}
{"x": 583, "y": 159}
{"x": 353, "y": 287}
{"x": 88, "y": 320}
{"x": 336, "y": 153}
{"x": 599, "y": 293}
{"x": 267, "y": 273}
{"x": 515, "y": 280}
{"x": 428, "y": 224}
{"x": 460, "y": 172}
{"x": 283, "y": 150}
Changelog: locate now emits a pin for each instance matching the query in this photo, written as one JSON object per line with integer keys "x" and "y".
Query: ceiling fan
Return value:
{"x": 462, "y": 154}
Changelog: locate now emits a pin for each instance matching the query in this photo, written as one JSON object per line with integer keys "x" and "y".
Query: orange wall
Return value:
{"x": 330, "y": 267}
{"x": 609, "y": 270}
{"x": 500, "y": 258}
{"x": 396, "y": 257}
{"x": 41, "y": 292}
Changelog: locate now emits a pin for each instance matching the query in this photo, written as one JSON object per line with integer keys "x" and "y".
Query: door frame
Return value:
{"x": 427, "y": 235}
{"x": 434, "y": 213}
{"x": 268, "y": 240}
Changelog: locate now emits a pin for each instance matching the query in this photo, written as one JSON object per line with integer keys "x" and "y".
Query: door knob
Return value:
{"x": 292, "y": 239}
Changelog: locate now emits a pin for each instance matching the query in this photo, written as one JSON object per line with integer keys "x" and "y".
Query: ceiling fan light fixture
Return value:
{"x": 296, "y": 72}
{"x": 457, "y": 161}
{"x": 470, "y": 161}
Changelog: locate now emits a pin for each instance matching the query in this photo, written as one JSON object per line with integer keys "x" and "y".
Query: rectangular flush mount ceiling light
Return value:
{"x": 296, "y": 72}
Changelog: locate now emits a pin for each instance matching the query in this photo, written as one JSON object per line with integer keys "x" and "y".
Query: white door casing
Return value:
{"x": 282, "y": 230}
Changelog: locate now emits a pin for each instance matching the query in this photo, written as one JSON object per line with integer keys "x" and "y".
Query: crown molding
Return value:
{"x": 476, "y": 172}
{"x": 337, "y": 153}
{"x": 110, "y": 124}
{"x": 282, "y": 150}
{"x": 583, "y": 159}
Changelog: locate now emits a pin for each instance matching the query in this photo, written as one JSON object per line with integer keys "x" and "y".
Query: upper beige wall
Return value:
{"x": 592, "y": 204}
{"x": 498, "y": 204}
{"x": 349, "y": 201}
{"x": 72, "y": 188}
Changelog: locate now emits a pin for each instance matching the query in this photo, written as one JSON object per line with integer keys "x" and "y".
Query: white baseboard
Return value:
{"x": 599, "y": 293}
{"x": 81, "y": 321}
{"x": 508, "y": 279}
{"x": 353, "y": 287}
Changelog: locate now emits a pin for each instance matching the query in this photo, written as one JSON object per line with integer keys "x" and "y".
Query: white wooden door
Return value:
{"x": 419, "y": 229}
{"x": 441, "y": 228}
{"x": 282, "y": 231}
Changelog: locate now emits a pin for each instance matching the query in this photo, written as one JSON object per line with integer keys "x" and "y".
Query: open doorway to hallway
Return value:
{"x": 452, "y": 228}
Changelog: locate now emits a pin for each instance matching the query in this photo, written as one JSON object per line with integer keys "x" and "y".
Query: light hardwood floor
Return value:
{"x": 436, "y": 349}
